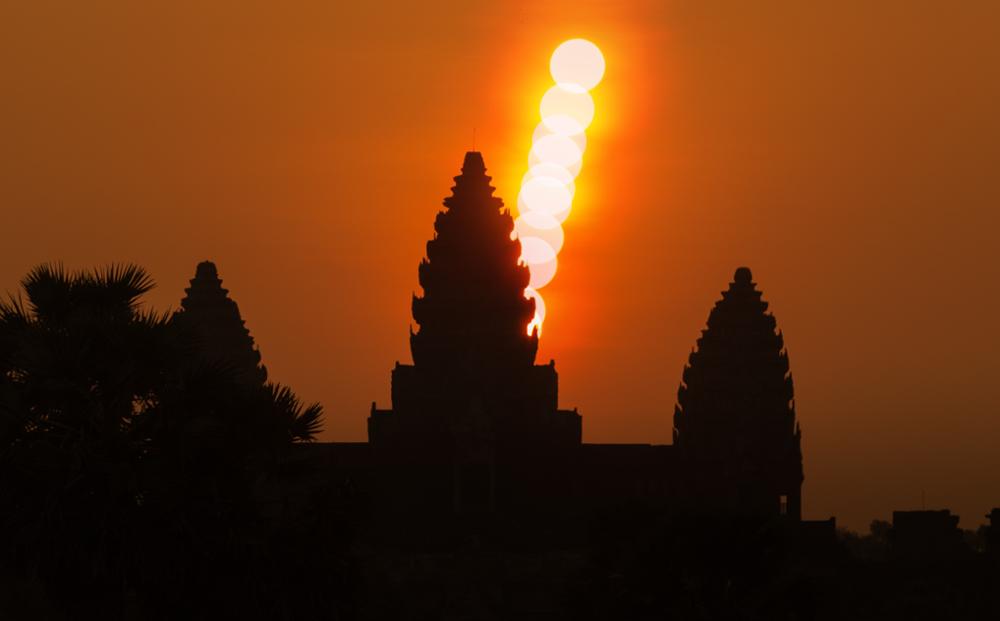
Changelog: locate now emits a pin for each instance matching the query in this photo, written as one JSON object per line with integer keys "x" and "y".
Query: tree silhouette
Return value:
{"x": 126, "y": 470}
{"x": 80, "y": 359}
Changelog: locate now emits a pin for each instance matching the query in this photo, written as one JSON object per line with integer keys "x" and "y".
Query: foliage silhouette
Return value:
{"x": 132, "y": 469}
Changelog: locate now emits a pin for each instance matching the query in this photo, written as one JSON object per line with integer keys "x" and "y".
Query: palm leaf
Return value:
{"x": 118, "y": 286}
{"x": 301, "y": 424}
{"x": 307, "y": 424}
{"x": 49, "y": 288}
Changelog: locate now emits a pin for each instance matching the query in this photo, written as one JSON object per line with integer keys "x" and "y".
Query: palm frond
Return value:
{"x": 49, "y": 288}
{"x": 308, "y": 424}
{"x": 127, "y": 282}
{"x": 302, "y": 424}
{"x": 151, "y": 319}
{"x": 14, "y": 312}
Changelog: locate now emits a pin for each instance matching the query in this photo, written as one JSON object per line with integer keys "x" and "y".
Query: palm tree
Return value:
{"x": 122, "y": 464}
{"x": 80, "y": 359}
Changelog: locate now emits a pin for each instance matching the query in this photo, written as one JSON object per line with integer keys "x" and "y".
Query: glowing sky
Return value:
{"x": 845, "y": 151}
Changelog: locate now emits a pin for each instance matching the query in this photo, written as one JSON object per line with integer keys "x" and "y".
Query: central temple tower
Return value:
{"x": 473, "y": 397}
{"x": 473, "y": 316}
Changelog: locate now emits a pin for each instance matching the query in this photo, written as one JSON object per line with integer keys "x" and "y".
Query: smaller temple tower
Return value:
{"x": 215, "y": 322}
{"x": 734, "y": 422}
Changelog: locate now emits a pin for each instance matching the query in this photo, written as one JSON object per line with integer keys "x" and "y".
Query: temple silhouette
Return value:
{"x": 476, "y": 498}
{"x": 156, "y": 471}
{"x": 218, "y": 332}
{"x": 475, "y": 424}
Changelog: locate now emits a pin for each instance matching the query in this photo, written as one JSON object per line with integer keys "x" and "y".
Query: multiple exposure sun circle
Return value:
{"x": 560, "y": 102}
{"x": 579, "y": 139}
{"x": 555, "y": 171}
{"x": 577, "y": 64}
{"x": 558, "y": 150}
{"x": 545, "y": 194}
{"x": 541, "y": 225}
{"x": 556, "y": 156}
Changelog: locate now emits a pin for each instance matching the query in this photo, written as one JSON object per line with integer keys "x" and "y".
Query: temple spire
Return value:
{"x": 215, "y": 322}
{"x": 735, "y": 413}
{"x": 473, "y": 314}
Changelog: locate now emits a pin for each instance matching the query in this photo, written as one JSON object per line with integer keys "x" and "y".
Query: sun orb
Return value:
{"x": 555, "y": 158}
{"x": 543, "y": 273}
{"x": 536, "y": 251}
{"x": 579, "y": 139}
{"x": 577, "y": 64}
{"x": 545, "y": 194}
{"x": 556, "y": 149}
{"x": 541, "y": 225}
{"x": 555, "y": 171}
{"x": 560, "y": 102}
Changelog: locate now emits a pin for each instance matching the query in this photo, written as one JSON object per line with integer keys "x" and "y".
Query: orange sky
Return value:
{"x": 847, "y": 153}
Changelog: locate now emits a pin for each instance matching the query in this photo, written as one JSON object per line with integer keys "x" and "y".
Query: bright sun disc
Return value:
{"x": 536, "y": 251}
{"x": 562, "y": 124}
{"x": 558, "y": 150}
{"x": 560, "y": 216}
{"x": 577, "y": 64}
{"x": 557, "y": 147}
{"x": 545, "y": 194}
{"x": 541, "y": 225}
{"x": 543, "y": 273}
{"x": 578, "y": 106}
{"x": 542, "y": 130}
{"x": 548, "y": 169}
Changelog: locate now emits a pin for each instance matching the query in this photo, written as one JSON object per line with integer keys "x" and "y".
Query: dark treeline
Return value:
{"x": 143, "y": 458}
{"x": 876, "y": 544}
{"x": 643, "y": 563}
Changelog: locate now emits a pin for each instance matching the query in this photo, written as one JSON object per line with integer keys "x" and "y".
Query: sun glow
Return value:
{"x": 555, "y": 159}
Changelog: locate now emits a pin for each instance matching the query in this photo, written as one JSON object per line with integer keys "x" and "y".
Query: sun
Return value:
{"x": 554, "y": 161}
{"x": 577, "y": 65}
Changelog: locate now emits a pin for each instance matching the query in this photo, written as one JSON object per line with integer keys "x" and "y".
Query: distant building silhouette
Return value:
{"x": 475, "y": 425}
{"x": 214, "y": 321}
{"x": 993, "y": 535}
{"x": 734, "y": 423}
{"x": 926, "y": 536}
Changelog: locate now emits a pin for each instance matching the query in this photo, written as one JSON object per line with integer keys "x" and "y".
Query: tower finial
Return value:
{"x": 743, "y": 276}
{"x": 473, "y": 164}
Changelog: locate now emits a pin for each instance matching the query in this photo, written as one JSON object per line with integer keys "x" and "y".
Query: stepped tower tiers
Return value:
{"x": 734, "y": 422}
{"x": 473, "y": 387}
{"x": 473, "y": 314}
{"x": 215, "y": 322}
